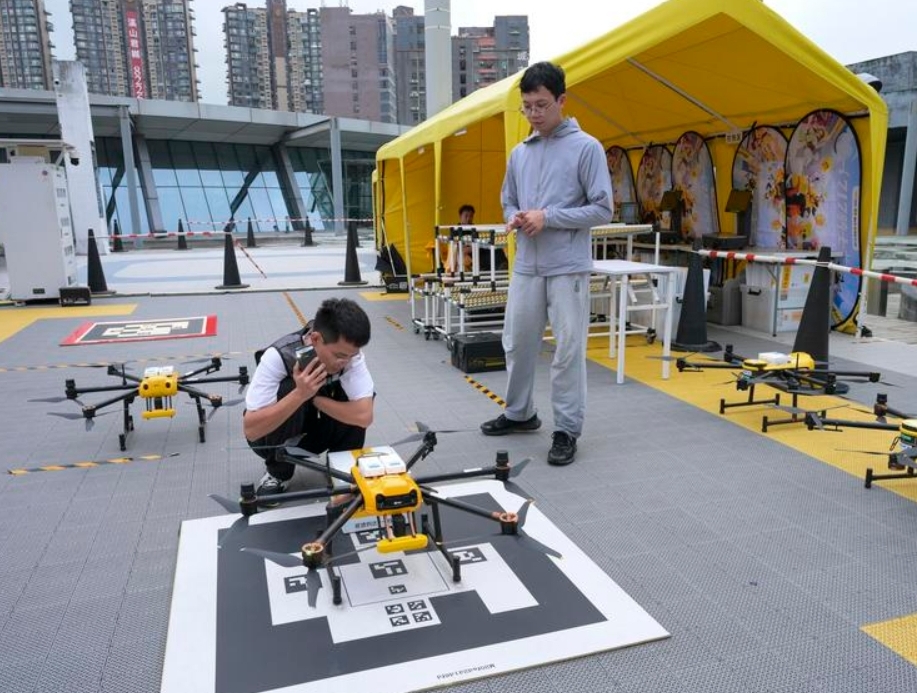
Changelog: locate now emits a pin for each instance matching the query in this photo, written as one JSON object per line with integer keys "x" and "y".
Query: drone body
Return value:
{"x": 157, "y": 387}
{"x": 796, "y": 373}
{"x": 380, "y": 485}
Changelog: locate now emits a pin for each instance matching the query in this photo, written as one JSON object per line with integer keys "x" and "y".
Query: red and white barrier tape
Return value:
{"x": 778, "y": 260}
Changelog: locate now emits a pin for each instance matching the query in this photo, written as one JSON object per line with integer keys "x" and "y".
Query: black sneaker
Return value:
{"x": 563, "y": 449}
{"x": 501, "y": 425}
{"x": 270, "y": 486}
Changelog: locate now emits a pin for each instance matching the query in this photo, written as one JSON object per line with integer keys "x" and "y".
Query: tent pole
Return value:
{"x": 681, "y": 92}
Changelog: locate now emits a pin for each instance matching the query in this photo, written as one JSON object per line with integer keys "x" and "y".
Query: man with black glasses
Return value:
{"x": 556, "y": 188}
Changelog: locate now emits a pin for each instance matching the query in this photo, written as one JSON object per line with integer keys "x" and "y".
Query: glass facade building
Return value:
{"x": 208, "y": 184}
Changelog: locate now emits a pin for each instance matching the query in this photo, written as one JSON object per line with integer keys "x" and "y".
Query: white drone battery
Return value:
{"x": 774, "y": 358}
{"x": 370, "y": 467}
{"x": 394, "y": 465}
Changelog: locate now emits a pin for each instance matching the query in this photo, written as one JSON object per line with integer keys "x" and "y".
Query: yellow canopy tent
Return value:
{"x": 716, "y": 67}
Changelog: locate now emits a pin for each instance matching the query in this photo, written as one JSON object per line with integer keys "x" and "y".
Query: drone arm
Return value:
{"x": 349, "y": 511}
{"x": 454, "y": 476}
{"x": 311, "y": 494}
{"x": 128, "y": 397}
{"x": 285, "y": 456}
{"x": 875, "y": 425}
{"x": 211, "y": 367}
{"x": 425, "y": 448}
{"x": 215, "y": 400}
{"x": 72, "y": 391}
{"x": 430, "y": 498}
{"x": 242, "y": 378}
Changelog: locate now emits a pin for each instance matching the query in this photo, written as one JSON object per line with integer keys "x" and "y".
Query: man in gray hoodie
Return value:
{"x": 556, "y": 188}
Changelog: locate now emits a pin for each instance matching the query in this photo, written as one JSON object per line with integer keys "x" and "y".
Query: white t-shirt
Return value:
{"x": 262, "y": 391}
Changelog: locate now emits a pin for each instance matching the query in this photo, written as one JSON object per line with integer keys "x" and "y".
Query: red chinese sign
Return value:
{"x": 138, "y": 83}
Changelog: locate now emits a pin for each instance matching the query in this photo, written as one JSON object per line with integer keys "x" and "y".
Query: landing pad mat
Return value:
{"x": 241, "y": 624}
{"x": 142, "y": 330}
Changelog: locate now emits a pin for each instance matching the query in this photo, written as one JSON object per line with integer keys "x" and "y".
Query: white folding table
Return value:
{"x": 622, "y": 271}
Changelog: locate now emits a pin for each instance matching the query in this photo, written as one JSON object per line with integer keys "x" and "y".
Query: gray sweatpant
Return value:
{"x": 533, "y": 301}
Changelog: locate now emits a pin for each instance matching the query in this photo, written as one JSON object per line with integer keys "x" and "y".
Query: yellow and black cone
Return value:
{"x": 182, "y": 239}
{"x": 250, "y": 236}
{"x": 815, "y": 323}
{"x": 231, "y": 279}
{"x": 692, "y": 325}
{"x": 352, "y": 264}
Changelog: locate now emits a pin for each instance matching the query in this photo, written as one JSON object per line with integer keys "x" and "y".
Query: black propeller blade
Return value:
{"x": 422, "y": 430}
{"x": 514, "y": 471}
{"x": 525, "y": 540}
{"x": 285, "y": 560}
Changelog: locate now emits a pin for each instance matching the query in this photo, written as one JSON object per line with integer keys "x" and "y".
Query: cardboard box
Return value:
{"x": 476, "y": 352}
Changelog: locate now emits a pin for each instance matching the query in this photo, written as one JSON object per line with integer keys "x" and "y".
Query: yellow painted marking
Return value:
{"x": 383, "y": 296}
{"x": 483, "y": 389}
{"x": 898, "y": 634}
{"x": 13, "y": 319}
{"x": 302, "y": 318}
{"x": 85, "y": 464}
{"x": 391, "y": 321}
{"x": 705, "y": 388}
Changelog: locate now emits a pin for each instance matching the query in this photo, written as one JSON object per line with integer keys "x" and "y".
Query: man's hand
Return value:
{"x": 530, "y": 222}
{"x": 309, "y": 380}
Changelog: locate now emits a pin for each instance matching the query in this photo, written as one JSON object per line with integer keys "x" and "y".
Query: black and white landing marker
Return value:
{"x": 241, "y": 624}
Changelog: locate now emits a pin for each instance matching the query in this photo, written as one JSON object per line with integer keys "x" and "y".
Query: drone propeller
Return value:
{"x": 422, "y": 430}
{"x": 207, "y": 359}
{"x": 74, "y": 416}
{"x": 233, "y": 507}
{"x": 525, "y": 540}
{"x": 286, "y": 560}
{"x": 227, "y": 403}
{"x": 57, "y": 400}
{"x": 801, "y": 410}
{"x": 514, "y": 471}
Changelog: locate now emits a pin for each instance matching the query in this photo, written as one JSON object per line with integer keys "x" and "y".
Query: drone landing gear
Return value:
{"x": 892, "y": 464}
{"x": 437, "y": 536}
{"x": 724, "y": 405}
{"x": 797, "y": 416}
{"x": 127, "y": 423}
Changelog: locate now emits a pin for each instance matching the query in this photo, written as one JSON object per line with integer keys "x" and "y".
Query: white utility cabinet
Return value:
{"x": 35, "y": 228}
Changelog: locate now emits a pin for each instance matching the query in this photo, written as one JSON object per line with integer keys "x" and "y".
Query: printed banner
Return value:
{"x": 692, "y": 173}
{"x": 142, "y": 330}
{"x": 654, "y": 177}
{"x": 622, "y": 179}
{"x": 759, "y": 166}
{"x": 823, "y": 198}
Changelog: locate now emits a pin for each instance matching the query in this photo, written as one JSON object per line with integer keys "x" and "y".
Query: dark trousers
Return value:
{"x": 315, "y": 432}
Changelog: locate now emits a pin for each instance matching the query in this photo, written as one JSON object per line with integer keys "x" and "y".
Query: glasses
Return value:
{"x": 530, "y": 109}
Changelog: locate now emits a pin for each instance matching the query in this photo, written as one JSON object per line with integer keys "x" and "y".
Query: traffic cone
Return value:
{"x": 231, "y": 279}
{"x": 182, "y": 240}
{"x": 815, "y": 323}
{"x": 95, "y": 276}
{"x": 250, "y": 236}
{"x": 307, "y": 234}
{"x": 692, "y": 325}
{"x": 118, "y": 246}
{"x": 352, "y": 264}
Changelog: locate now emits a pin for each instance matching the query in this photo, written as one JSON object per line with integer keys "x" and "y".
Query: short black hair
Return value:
{"x": 465, "y": 208}
{"x": 543, "y": 74}
{"x": 341, "y": 318}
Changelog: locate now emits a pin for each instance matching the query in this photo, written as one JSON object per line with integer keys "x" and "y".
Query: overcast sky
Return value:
{"x": 851, "y": 31}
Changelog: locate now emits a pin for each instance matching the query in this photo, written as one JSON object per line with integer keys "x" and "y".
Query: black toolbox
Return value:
{"x": 476, "y": 352}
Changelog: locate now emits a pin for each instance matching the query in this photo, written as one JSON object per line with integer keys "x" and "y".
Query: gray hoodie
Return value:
{"x": 566, "y": 175}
